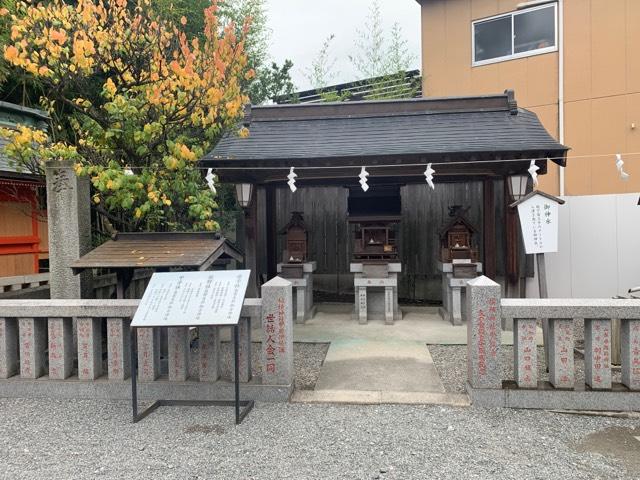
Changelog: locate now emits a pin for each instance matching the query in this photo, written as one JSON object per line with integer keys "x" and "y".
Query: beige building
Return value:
{"x": 575, "y": 63}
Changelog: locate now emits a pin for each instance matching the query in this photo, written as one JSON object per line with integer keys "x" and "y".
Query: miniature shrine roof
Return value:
{"x": 334, "y": 140}
{"x": 459, "y": 218}
{"x": 193, "y": 251}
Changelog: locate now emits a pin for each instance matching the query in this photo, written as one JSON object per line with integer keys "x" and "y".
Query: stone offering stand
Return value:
{"x": 303, "y": 307}
{"x": 40, "y": 342}
{"x": 376, "y": 290}
{"x": 487, "y": 312}
{"x": 453, "y": 290}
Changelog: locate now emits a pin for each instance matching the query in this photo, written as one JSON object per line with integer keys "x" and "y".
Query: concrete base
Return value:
{"x": 552, "y": 399}
{"x": 103, "y": 389}
{"x": 363, "y": 397}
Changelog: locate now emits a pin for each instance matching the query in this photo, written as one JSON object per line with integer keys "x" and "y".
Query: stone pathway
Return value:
{"x": 377, "y": 363}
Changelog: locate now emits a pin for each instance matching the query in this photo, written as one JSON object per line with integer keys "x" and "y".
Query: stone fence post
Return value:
{"x": 69, "y": 219}
{"x": 484, "y": 369}
{"x": 277, "y": 331}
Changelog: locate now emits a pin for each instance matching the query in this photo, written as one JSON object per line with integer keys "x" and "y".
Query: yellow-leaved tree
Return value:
{"x": 160, "y": 100}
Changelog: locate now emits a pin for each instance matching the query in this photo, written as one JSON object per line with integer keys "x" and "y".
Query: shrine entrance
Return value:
{"x": 394, "y": 195}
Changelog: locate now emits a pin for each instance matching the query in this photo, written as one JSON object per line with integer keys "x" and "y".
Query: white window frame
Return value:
{"x": 530, "y": 53}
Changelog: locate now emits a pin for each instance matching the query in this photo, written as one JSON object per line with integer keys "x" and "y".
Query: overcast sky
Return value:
{"x": 299, "y": 28}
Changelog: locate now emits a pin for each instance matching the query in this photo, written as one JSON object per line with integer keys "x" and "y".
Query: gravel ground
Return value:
{"x": 451, "y": 363}
{"x": 307, "y": 360}
{"x": 48, "y": 439}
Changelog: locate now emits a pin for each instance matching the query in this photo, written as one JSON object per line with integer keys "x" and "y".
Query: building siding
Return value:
{"x": 601, "y": 86}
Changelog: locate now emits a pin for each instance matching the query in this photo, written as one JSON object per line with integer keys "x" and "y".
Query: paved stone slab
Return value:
{"x": 61, "y": 351}
{"x": 277, "y": 330}
{"x": 525, "y": 352}
{"x": 89, "y": 348}
{"x": 209, "y": 351}
{"x": 630, "y": 353}
{"x": 148, "y": 355}
{"x": 483, "y": 333}
{"x": 379, "y": 365}
{"x": 597, "y": 353}
{"x": 244, "y": 333}
{"x": 362, "y": 305}
{"x": 118, "y": 348}
{"x": 561, "y": 367}
{"x": 8, "y": 347}
{"x": 33, "y": 341}
{"x": 178, "y": 342}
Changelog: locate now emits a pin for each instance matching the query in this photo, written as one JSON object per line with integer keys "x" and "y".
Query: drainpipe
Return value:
{"x": 561, "y": 87}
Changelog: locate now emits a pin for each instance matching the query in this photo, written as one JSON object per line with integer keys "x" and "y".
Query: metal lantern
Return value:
{"x": 517, "y": 185}
{"x": 244, "y": 192}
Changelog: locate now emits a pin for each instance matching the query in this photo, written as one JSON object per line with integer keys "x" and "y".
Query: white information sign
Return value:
{"x": 192, "y": 298}
{"x": 539, "y": 223}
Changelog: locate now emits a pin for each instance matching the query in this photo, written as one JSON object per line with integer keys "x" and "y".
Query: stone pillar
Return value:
{"x": 277, "y": 330}
{"x": 388, "y": 305}
{"x": 245, "y": 349}
{"x": 8, "y": 347}
{"x": 561, "y": 371}
{"x": 33, "y": 343}
{"x": 483, "y": 333}
{"x": 362, "y": 305}
{"x": 209, "y": 348}
{"x": 118, "y": 348}
{"x": 148, "y": 355}
{"x": 456, "y": 306}
{"x": 597, "y": 353}
{"x": 60, "y": 348}
{"x": 301, "y": 310}
{"x": 89, "y": 348}
{"x": 629, "y": 353}
{"x": 525, "y": 352}
{"x": 178, "y": 341}
{"x": 69, "y": 217}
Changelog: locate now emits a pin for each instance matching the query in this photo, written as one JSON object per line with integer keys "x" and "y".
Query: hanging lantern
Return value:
{"x": 517, "y": 185}
{"x": 244, "y": 192}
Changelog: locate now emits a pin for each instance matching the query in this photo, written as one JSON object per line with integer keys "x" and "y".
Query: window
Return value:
{"x": 515, "y": 35}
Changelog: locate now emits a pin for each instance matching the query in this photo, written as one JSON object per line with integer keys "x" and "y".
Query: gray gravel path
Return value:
{"x": 47, "y": 439}
{"x": 307, "y": 360}
{"x": 451, "y": 363}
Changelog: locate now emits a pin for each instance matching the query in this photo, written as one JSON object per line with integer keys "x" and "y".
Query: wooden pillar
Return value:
{"x": 250, "y": 238}
{"x": 511, "y": 241}
{"x": 262, "y": 251}
{"x": 489, "y": 229}
{"x": 271, "y": 231}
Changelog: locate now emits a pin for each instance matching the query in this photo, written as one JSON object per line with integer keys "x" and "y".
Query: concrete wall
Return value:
{"x": 602, "y": 81}
{"x": 599, "y": 248}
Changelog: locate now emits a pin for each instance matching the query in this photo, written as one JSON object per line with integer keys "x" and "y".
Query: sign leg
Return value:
{"x": 134, "y": 373}
{"x": 236, "y": 341}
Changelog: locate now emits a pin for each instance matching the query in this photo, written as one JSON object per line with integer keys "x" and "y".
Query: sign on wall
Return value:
{"x": 539, "y": 222}
{"x": 192, "y": 298}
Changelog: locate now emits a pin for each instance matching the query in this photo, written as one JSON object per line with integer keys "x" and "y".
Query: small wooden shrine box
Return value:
{"x": 375, "y": 239}
{"x": 296, "y": 239}
{"x": 457, "y": 238}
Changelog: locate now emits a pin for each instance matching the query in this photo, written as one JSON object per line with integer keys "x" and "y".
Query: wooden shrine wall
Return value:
{"x": 424, "y": 211}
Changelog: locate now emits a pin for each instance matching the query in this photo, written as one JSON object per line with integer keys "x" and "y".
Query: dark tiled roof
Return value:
{"x": 345, "y": 133}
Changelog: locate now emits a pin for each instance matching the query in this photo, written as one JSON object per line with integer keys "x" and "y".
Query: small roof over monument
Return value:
{"x": 192, "y": 251}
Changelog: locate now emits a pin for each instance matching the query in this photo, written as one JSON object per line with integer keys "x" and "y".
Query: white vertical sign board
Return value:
{"x": 539, "y": 223}
{"x": 175, "y": 299}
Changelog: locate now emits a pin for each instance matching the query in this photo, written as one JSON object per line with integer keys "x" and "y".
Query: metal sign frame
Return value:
{"x": 240, "y": 414}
